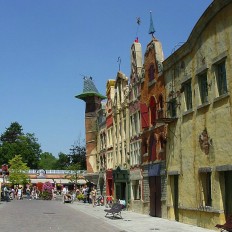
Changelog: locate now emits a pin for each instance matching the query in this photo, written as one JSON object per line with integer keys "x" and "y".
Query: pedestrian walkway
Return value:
{"x": 135, "y": 222}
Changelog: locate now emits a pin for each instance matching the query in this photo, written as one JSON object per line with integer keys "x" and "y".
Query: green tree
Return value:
{"x": 63, "y": 161}
{"x": 12, "y": 133}
{"x": 47, "y": 161}
{"x": 18, "y": 171}
{"x": 15, "y": 142}
{"x": 73, "y": 173}
{"x": 78, "y": 155}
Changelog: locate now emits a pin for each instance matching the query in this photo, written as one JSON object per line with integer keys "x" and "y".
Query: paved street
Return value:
{"x": 37, "y": 215}
{"x": 43, "y": 216}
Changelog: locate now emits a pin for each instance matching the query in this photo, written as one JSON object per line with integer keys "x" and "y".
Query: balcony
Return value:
{"x": 164, "y": 117}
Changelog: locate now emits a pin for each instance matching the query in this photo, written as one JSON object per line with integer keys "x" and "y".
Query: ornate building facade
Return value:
{"x": 153, "y": 130}
{"x": 136, "y": 177}
{"x": 121, "y": 138}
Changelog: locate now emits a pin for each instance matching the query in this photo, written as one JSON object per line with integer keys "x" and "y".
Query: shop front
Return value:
{"x": 155, "y": 189}
{"x": 121, "y": 178}
{"x": 136, "y": 190}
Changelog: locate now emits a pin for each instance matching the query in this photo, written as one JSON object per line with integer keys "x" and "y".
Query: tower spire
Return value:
{"x": 151, "y": 28}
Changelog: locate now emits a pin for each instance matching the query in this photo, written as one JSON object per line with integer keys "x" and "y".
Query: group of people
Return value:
{"x": 89, "y": 193}
{"x": 32, "y": 193}
{"x": 17, "y": 193}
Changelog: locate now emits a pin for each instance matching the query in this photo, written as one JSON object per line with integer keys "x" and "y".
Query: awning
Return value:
{"x": 154, "y": 170}
{"x": 58, "y": 181}
{"x": 81, "y": 181}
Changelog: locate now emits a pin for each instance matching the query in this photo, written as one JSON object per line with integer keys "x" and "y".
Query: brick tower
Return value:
{"x": 93, "y": 99}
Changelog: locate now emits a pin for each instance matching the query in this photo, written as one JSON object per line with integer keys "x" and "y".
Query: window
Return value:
{"x": 144, "y": 147}
{"x": 172, "y": 107}
{"x": 160, "y": 107}
{"x": 203, "y": 87}
{"x": 152, "y": 148}
{"x": 136, "y": 189}
{"x": 151, "y": 73}
{"x": 153, "y": 110}
{"x": 135, "y": 90}
{"x": 144, "y": 115}
{"x": 221, "y": 78}
{"x": 206, "y": 189}
{"x": 136, "y": 123}
{"x": 188, "y": 94}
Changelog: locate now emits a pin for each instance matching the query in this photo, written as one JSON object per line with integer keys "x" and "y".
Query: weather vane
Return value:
{"x": 86, "y": 77}
{"x": 138, "y": 21}
{"x": 119, "y": 63}
{"x": 151, "y": 28}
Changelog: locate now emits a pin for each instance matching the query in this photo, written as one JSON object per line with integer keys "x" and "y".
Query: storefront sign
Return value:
{"x": 154, "y": 170}
{"x": 136, "y": 174}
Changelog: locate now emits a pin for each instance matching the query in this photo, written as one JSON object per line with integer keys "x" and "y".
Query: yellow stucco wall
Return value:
{"x": 210, "y": 40}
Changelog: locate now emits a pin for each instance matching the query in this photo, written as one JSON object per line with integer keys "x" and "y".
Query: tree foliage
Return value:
{"x": 15, "y": 142}
{"x": 78, "y": 155}
{"x": 18, "y": 171}
{"x": 47, "y": 161}
{"x": 63, "y": 161}
{"x": 75, "y": 160}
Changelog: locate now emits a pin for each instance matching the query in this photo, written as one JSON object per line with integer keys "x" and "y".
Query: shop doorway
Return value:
{"x": 121, "y": 191}
{"x": 155, "y": 196}
{"x": 228, "y": 193}
{"x": 174, "y": 185}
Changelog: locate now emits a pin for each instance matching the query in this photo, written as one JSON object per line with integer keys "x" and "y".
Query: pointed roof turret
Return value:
{"x": 89, "y": 89}
{"x": 151, "y": 28}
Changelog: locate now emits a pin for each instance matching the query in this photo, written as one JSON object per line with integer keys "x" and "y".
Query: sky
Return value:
{"x": 47, "y": 46}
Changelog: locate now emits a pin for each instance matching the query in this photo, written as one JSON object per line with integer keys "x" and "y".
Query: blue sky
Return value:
{"x": 46, "y": 45}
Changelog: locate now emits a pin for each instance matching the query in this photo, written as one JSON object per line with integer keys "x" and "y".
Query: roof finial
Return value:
{"x": 151, "y": 29}
{"x": 138, "y": 21}
{"x": 119, "y": 63}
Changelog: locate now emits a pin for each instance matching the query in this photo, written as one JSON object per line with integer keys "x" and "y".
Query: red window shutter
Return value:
{"x": 144, "y": 115}
{"x": 109, "y": 121}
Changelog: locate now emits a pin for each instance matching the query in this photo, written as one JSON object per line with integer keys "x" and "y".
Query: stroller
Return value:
{"x": 99, "y": 201}
{"x": 68, "y": 198}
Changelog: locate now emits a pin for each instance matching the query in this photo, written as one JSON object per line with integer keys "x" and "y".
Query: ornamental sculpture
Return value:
{"x": 205, "y": 141}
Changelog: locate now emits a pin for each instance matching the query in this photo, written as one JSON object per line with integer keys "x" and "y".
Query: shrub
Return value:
{"x": 46, "y": 195}
{"x": 47, "y": 191}
{"x": 80, "y": 197}
{"x": 39, "y": 185}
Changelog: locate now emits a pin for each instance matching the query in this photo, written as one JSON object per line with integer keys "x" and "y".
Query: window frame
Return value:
{"x": 203, "y": 87}
{"x": 187, "y": 87}
{"x": 206, "y": 185}
{"x": 221, "y": 77}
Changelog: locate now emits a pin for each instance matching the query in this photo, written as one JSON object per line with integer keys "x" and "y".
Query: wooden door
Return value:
{"x": 155, "y": 196}
{"x": 228, "y": 193}
{"x": 176, "y": 198}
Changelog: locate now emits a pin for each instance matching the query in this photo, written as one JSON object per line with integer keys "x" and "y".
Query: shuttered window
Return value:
{"x": 144, "y": 115}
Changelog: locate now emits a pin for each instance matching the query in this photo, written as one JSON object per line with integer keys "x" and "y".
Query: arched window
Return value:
{"x": 161, "y": 106}
{"x": 162, "y": 148}
{"x": 153, "y": 110}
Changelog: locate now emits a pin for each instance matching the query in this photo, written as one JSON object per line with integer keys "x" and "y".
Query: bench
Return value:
{"x": 114, "y": 211}
{"x": 227, "y": 226}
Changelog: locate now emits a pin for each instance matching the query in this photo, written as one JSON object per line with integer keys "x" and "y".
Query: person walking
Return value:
{"x": 28, "y": 193}
{"x": 93, "y": 194}
{"x": 20, "y": 193}
{"x": 6, "y": 193}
